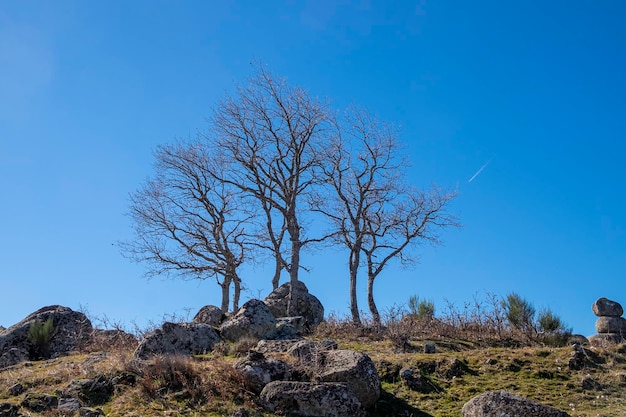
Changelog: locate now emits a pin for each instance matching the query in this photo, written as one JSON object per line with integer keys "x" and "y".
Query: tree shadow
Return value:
{"x": 388, "y": 405}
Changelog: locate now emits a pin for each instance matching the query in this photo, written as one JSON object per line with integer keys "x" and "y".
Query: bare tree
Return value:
{"x": 362, "y": 168}
{"x": 188, "y": 223}
{"x": 412, "y": 217}
{"x": 271, "y": 134}
{"x": 371, "y": 208}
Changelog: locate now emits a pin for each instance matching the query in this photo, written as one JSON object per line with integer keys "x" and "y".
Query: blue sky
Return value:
{"x": 88, "y": 89}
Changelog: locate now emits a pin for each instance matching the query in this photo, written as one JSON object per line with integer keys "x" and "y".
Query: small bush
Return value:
{"x": 39, "y": 336}
{"x": 422, "y": 309}
{"x": 519, "y": 312}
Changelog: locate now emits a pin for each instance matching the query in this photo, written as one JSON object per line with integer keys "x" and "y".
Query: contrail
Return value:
{"x": 480, "y": 170}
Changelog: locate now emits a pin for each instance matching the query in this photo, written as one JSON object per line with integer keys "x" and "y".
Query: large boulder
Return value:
{"x": 258, "y": 370}
{"x": 178, "y": 338}
{"x": 253, "y": 320}
{"x": 608, "y": 324}
{"x": 71, "y": 331}
{"x": 353, "y": 368}
{"x": 603, "y": 307}
{"x": 310, "y": 399}
{"x": 211, "y": 315}
{"x": 506, "y": 404}
{"x": 307, "y": 305}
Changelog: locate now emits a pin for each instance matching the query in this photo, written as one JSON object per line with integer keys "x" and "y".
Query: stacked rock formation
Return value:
{"x": 611, "y": 326}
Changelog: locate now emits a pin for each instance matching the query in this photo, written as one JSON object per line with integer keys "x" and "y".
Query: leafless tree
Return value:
{"x": 362, "y": 167}
{"x": 371, "y": 208}
{"x": 188, "y": 223}
{"x": 412, "y": 217}
{"x": 271, "y": 135}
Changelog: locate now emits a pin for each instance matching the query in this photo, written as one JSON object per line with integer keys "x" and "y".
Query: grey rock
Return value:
{"x": 275, "y": 346}
{"x": 309, "y": 350}
{"x": 578, "y": 338}
{"x": 12, "y": 356}
{"x": 178, "y": 339}
{"x": 608, "y": 324}
{"x": 353, "y": 368}
{"x": 211, "y": 315}
{"x": 68, "y": 405}
{"x": 430, "y": 348}
{"x": 16, "y": 389}
{"x": 606, "y": 338}
{"x": 603, "y": 307}
{"x": 90, "y": 412}
{"x": 258, "y": 370}
{"x": 290, "y": 327}
{"x": 253, "y": 320}
{"x": 506, "y": 404}
{"x": 415, "y": 381}
{"x": 92, "y": 391}
{"x": 73, "y": 332}
{"x": 307, "y": 305}
{"x": 9, "y": 410}
{"x": 309, "y": 399}
{"x": 40, "y": 402}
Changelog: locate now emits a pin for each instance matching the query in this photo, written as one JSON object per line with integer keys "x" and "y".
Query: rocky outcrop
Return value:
{"x": 211, "y": 315}
{"x": 178, "y": 338}
{"x": 506, "y": 404}
{"x": 353, "y": 368}
{"x": 72, "y": 331}
{"x": 307, "y": 305}
{"x": 258, "y": 371}
{"x": 610, "y": 325}
{"x": 309, "y": 351}
{"x": 254, "y": 320}
{"x": 309, "y": 399}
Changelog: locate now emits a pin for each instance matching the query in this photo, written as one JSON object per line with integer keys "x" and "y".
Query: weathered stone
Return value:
{"x": 16, "y": 389}
{"x": 9, "y": 410}
{"x": 577, "y": 339}
{"x": 12, "y": 356}
{"x": 309, "y": 399}
{"x": 603, "y": 307}
{"x": 354, "y": 368}
{"x": 39, "y": 402}
{"x": 254, "y": 320}
{"x": 73, "y": 331}
{"x": 289, "y": 327}
{"x": 415, "y": 381}
{"x": 68, "y": 405}
{"x": 211, "y": 315}
{"x": 430, "y": 348}
{"x": 258, "y": 370}
{"x": 307, "y": 305}
{"x": 90, "y": 412}
{"x": 273, "y": 346}
{"x": 91, "y": 392}
{"x": 590, "y": 384}
{"x": 602, "y": 339}
{"x": 611, "y": 325}
{"x": 178, "y": 338}
{"x": 506, "y": 404}
{"x": 309, "y": 350}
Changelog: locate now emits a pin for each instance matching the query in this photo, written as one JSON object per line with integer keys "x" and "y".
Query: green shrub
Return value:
{"x": 519, "y": 312}
{"x": 39, "y": 336}
{"x": 422, "y": 309}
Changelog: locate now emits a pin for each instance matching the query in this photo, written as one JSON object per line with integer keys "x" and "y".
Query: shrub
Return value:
{"x": 519, "y": 312}
{"x": 422, "y": 309}
{"x": 39, "y": 336}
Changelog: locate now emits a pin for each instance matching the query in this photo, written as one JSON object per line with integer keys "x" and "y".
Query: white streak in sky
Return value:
{"x": 480, "y": 170}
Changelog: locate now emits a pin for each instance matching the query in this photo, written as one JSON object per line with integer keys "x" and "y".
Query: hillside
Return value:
{"x": 591, "y": 386}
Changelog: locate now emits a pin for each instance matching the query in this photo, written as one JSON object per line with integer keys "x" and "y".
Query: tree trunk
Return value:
{"x": 354, "y": 267}
{"x": 370, "y": 299}
{"x": 237, "y": 293}
{"x": 225, "y": 293}
{"x": 278, "y": 269}
{"x": 294, "y": 234}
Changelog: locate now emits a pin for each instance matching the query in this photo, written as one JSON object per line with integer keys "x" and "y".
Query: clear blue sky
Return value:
{"x": 89, "y": 88}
